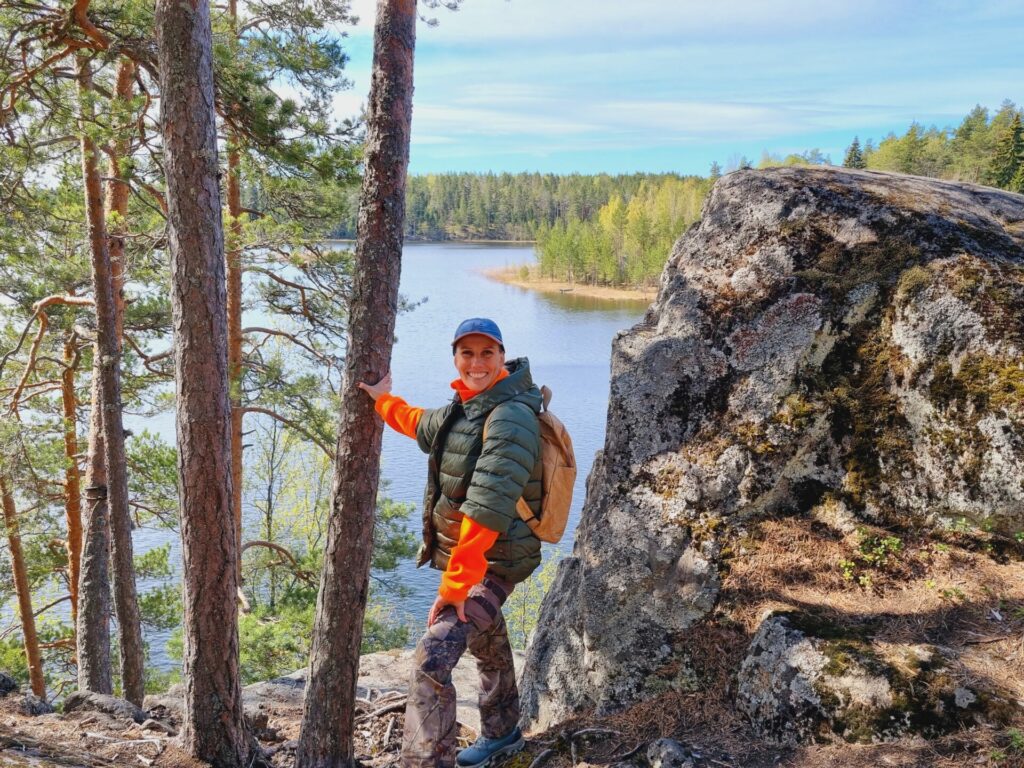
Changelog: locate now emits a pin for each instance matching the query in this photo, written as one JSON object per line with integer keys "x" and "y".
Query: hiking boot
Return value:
{"x": 483, "y": 750}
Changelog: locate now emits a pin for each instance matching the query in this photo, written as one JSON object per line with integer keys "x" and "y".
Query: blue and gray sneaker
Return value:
{"x": 483, "y": 750}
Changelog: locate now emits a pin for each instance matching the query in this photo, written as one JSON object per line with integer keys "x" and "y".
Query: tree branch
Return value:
{"x": 291, "y": 425}
{"x": 292, "y": 338}
{"x": 80, "y": 12}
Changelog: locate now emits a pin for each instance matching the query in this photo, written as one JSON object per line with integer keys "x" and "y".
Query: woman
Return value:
{"x": 472, "y": 532}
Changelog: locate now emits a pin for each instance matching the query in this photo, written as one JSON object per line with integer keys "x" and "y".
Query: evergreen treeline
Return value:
{"x": 505, "y": 206}
{"x": 984, "y": 149}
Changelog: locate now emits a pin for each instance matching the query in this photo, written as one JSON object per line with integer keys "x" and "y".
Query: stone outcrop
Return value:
{"x": 794, "y": 687}
{"x": 825, "y": 343}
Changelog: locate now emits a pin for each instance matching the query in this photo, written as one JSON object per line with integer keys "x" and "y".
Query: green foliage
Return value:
{"x": 982, "y": 149}
{"x": 627, "y": 242}
{"x": 854, "y": 156}
{"x": 160, "y": 607}
{"x": 277, "y": 643}
{"x": 873, "y": 553}
{"x": 522, "y": 609}
{"x": 154, "y": 564}
{"x": 12, "y": 659}
{"x": 153, "y": 477}
{"x": 506, "y": 206}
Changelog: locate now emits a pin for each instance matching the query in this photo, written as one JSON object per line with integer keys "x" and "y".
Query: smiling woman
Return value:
{"x": 473, "y": 533}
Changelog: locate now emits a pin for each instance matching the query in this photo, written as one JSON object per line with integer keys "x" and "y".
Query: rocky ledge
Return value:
{"x": 810, "y": 502}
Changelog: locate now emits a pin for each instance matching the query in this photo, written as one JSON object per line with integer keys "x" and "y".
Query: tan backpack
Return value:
{"x": 558, "y": 476}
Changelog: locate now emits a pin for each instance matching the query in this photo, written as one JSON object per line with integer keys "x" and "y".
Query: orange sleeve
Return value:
{"x": 468, "y": 563}
{"x": 398, "y": 414}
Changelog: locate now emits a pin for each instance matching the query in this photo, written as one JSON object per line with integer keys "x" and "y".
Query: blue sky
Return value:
{"x": 655, "y": 85}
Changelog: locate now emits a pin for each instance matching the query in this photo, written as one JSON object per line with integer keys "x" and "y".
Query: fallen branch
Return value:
{"x": 122, "y": 742}
{"x": 630, "y": 753}
{"x": 539, "y": 759}
{"x": 58, "y": 755}
{"x": 393, "y": 707}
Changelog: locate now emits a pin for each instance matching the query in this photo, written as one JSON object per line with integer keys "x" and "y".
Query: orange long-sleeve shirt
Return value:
{"x": 468, "y": 563}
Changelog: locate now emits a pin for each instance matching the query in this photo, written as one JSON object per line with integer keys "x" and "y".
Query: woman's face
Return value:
{"x": 479, "y": 360}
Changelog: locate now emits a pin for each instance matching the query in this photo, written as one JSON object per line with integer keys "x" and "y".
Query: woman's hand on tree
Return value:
{"x": 382, "y": 387}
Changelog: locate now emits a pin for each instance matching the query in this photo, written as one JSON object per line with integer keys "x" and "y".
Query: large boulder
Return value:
{"x": 825, "y": 341}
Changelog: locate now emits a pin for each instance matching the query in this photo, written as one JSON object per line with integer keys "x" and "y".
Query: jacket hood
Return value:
{"x": 518, "y": 386}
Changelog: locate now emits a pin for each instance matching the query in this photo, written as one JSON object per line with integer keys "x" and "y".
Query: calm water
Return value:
{"x": 567, "y": 339}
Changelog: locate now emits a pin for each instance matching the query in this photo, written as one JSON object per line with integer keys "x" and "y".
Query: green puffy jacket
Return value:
{"x": 484, "y": 480}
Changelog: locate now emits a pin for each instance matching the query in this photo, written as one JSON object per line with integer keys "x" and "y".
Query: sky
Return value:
{"x": 593, "y": 86}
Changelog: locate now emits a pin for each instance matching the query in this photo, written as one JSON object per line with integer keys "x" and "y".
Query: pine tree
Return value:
{"x": 1017, "y": 182}
{"x": 854, "y": 157}
{"x": 1006, "y": 159}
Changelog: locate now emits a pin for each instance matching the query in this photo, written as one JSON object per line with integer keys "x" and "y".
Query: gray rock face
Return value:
{"x": 820, "y": 334}
{"x": 796, "y": 687}
{"x": 34, "y": 706}
{"x": 7, "y": 684}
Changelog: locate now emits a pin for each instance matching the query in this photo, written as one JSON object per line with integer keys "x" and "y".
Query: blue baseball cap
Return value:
{"x": 480, "y": 325}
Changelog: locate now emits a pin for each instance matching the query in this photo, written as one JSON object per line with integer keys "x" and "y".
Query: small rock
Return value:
{"x": 963, "y": 697}
{"x": 668, "y": 753}
{"x": 7, "y": 684}
{"x": 156, "y": 725}
{"x": 256, "y": 718}
{"x": 105, "y": 703}
{"x": 32, "y": 705}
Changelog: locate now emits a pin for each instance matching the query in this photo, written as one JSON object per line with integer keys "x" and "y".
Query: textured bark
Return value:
{"x": 212, "y": 728}
{"x": 28, "y": 622}
{"x": 93, "y": 635}
{"x": 123, "y": 572}
{"x": 72, "y": 476}
{"x": 117, "y": 197}
{"x": 234, "y": 267}
{"x": 93, "y": 623}
{"x": 329, "y": 707}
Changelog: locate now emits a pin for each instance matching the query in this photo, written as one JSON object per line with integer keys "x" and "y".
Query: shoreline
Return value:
{"x": 512, "y": 275}
{"x": 410, "y": 240}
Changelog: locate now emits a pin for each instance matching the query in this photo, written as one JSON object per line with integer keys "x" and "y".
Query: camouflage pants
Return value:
{"x": 430, "y": 730}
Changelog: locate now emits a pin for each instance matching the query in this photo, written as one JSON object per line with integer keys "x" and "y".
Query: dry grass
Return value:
{"x": 960, "y": 592}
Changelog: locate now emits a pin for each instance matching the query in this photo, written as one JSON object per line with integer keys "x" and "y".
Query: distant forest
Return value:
{"x": 502, "y": 206}
{"x": 618, "y": 230}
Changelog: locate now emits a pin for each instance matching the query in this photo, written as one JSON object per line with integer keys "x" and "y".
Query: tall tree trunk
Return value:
{"x": 72, "y": 476}
{"x": 93, "y": 637}
{"x": 213, "y": 728}
{"x": 329, "y": 707}
{"x": 93, "y": 624}
{"x": 234, "y": 266}
{"x": 28, "y": 621}
{"x": 117, "y": 197}
{"x": 125, "y": 600}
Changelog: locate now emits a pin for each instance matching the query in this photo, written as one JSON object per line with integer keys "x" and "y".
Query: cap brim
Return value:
{"x": 495, "y": 339}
